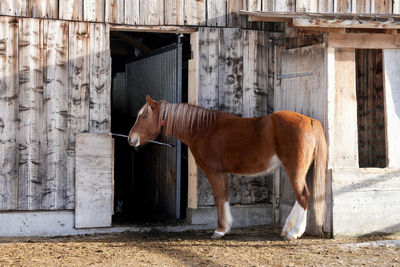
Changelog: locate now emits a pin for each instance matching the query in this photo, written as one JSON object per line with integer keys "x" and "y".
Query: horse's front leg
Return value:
{"x": 219, "y": 185}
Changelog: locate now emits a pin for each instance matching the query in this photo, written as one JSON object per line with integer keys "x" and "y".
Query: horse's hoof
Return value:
{"x": 217, "y": 235}
{"x": 289, "y": 237}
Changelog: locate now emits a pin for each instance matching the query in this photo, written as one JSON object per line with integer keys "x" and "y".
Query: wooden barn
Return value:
{"x": 74, "y": 71}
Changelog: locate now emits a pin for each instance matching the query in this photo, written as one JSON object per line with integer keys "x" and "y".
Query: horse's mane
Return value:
{"x": 185, "y": 118}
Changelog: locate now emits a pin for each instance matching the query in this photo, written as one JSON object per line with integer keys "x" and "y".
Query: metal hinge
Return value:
{"x": 281, "y": 76}
{"x": 277, "y": 202}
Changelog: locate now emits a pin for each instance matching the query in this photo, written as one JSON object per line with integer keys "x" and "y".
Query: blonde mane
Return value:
{"x": 185, "y": 118}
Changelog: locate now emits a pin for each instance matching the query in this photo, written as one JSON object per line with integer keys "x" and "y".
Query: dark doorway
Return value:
{"x": 370, "y": 109}
{"x": 143, "y": 184}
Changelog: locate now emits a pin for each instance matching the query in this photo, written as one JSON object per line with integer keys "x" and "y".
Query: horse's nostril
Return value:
{"x": 135, "y": 141}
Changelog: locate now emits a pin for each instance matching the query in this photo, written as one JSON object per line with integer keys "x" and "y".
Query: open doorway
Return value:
{"x": 370, "y": 108}
{"x": 150, "y": 184}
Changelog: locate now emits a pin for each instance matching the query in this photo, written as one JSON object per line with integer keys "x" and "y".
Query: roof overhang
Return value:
{"x": 327, "y": 20}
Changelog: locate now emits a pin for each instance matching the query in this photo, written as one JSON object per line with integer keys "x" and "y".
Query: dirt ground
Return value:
{"x": 256, "y": 246}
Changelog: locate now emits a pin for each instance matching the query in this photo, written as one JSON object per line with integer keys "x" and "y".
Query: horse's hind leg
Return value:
{"x": 219, "y": 185}
{"x": 295, "y": 223}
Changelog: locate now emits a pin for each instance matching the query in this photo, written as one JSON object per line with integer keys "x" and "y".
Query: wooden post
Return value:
{"x": 193, "y": 99}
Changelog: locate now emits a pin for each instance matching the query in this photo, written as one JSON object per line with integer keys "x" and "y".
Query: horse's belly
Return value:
{"x": 261, "y": 166}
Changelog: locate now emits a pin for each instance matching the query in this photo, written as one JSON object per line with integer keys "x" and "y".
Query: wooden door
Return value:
{"x": 159, "y": 167}
{"x": 94, "y": 165}
{"x": 302, "y": 87}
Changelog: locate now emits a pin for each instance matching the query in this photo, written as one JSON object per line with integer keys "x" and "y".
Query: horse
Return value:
{"x": 222, "y": 143}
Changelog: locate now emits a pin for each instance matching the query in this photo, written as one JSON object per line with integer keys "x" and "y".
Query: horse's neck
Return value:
{"x": 183, "y": 128}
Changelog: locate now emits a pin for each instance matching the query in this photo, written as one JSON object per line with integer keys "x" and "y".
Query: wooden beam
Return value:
{"x": 166, "y": 29}
{"x": 269, "y": 19}
{"x": 126, "y": 38}
{"x": 340, "y": 23}
{"x": 364, "y": 40}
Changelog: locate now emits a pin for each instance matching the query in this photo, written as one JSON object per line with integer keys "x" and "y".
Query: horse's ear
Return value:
{"x": 153, "y": 104}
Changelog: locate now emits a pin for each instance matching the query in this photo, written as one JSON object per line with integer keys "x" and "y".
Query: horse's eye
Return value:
{"x": 144, "y": 116}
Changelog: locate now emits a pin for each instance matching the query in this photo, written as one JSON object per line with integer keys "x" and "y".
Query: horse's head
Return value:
{"x": 147, "y": 126}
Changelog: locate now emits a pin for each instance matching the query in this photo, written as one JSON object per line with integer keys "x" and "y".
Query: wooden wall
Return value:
{"x": 219, "y": 13}
{"x": 54, "y": 83}
{"x": 236, "y": 75}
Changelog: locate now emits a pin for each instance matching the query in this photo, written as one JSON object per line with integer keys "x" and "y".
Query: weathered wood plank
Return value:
{"x": 258, "y": 98}
{"x": 30, "y": 113}
{"x": 342, "y": 6}
{"x": 381, "y": 6}
{"x": 345, "y": 134}
{"x": 306, "y": 5}
{"x": 70, "y": 9}
{"x": 233, "y": 18}
{"x": 362, "y": 6}
{"x": 115, "y": 11}
{"x": 216, "y": 13}
{"x": 193, "y": 99}
{"x": 365, "y": 201}
{"x": 93, "y": 10}
{"x": 396, "y": 6}
{"x": 325, "y": 6}
{"x": 285, "y": 5}
{"x": 344, "y": 23}
{"x": 44, "y": 8}
{"x": 151, "y": 12}
{"x": 14, "y": 7}
{"x": 391, "y": 82}
{"x": 78, "y": 70}
{"x": 195, "y": 12}
{"x": 100, "y": 79}
{"x": 364, "y": 40}
{"x": 208, "y": 67}
{"x": 132, "y": 12}
{"x": 94, "y": 168}
{"x": 230, "y": 71}
{"x": 174, "y": 12}
{"x": 8, "y": 113}
{"x": 55, "y": 93}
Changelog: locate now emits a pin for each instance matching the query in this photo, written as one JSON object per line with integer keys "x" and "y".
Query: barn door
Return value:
{"x": 160, "y": 76}
{"x": 302, "y": 84}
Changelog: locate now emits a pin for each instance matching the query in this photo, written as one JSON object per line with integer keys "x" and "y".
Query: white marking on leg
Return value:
{"x": 300, "y": 225}
{"x": 291, "y": 219}
{"x": 228, "y": 217}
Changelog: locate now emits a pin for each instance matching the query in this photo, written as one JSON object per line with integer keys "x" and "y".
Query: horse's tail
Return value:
{"x": 319, "y": 183}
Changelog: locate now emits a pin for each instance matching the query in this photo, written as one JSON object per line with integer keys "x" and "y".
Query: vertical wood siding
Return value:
{"x": 44, "y": 9}
{"x": 100, "y": 79}
{"x": 47, "y": 67}
{"x": 30, "y": 111}
{"x": 55, "y": 114}
{"x": 218, "y": 13}
{"x": 70, "y": 9}
{"x": 8, "y": 113}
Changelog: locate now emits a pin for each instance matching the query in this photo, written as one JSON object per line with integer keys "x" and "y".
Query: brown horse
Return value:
{"x": 222, "y": 143}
